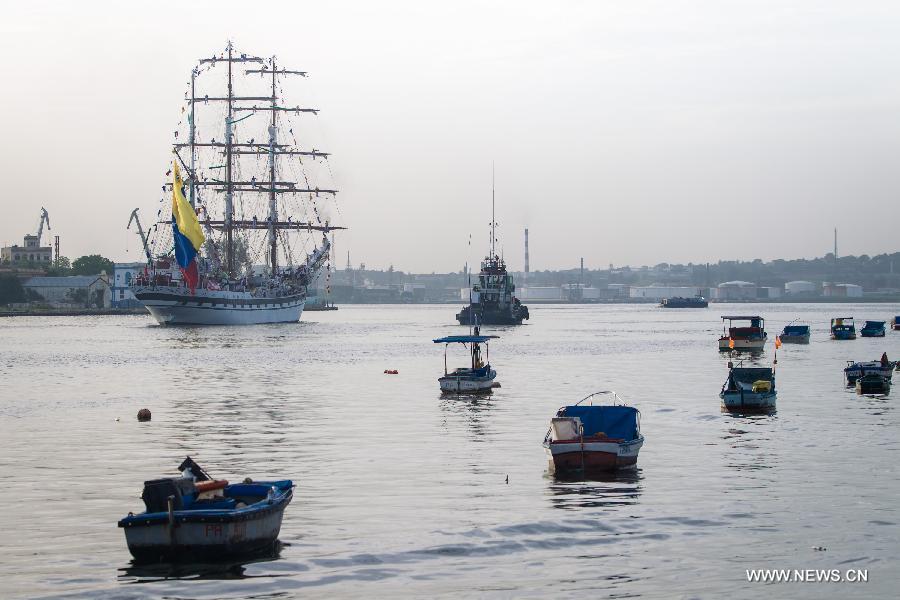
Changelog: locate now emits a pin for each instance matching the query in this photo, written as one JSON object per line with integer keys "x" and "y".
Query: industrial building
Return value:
{"x": 123, "y": 274}
{"x": 80, "y": 291}
{"x": 30, "y": 252}
{"x": 842, "y": 290}
{"x": 657, "y": 292}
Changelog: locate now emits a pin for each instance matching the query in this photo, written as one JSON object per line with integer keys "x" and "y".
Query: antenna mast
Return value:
{"x": 493, "y": 217}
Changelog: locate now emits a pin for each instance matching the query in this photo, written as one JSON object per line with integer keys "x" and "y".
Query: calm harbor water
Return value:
{"x": 403, "y": 492}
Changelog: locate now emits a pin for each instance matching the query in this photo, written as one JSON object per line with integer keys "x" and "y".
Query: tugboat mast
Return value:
{"x": 493, "y": 217}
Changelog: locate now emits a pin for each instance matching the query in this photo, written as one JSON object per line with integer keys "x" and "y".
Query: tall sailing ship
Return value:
{"x": 249, "y": 222}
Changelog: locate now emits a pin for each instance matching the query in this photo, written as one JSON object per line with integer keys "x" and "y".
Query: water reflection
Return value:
{"x": 226, "y": 569}
{"x": 595, "y": 490}
{"x": 472, "y": 409}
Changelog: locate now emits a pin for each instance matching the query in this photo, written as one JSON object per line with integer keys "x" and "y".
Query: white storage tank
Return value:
{"x": 794, "y": 288}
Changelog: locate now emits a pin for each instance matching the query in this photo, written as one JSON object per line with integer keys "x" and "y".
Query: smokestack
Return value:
{"x": 56, "y": 244}
{"x": 835, "y": 244}
{"x": 526, "y": 254}
{"x": 581, "y": 276}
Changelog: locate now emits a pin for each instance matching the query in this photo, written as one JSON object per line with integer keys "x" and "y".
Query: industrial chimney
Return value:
{"x": 526, "y": 254}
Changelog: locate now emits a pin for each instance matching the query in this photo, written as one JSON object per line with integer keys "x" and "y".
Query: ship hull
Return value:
{"x": 472, "y": 315}
{"x": 177, "y": 307}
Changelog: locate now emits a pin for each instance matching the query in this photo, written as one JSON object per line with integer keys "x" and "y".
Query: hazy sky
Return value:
{"x": 625, "y": 132}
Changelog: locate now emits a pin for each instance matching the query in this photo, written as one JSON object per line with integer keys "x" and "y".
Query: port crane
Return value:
{"x": 140, "y": 232}
{"x": 45, "y": 218}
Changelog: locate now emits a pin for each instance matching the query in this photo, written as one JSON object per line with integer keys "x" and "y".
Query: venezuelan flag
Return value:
{"x": 186, "y": 231}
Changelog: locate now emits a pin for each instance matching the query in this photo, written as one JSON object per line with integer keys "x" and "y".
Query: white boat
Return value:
{"x": 477, "y": 378}
{"x": 586, "y": 438}
{"x": 246, "y": 219}
{"x": 752, "y": 338}
{"x": 749, "y": 389}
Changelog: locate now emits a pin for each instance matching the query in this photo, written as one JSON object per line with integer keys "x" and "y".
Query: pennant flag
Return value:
{"x": 777, "y": 342}
{"x": 731, "y": 343}
{"x": 186, "y": 232}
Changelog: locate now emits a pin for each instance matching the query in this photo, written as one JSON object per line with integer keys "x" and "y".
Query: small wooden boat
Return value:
{"x": 884, "y": 368}
{"x": 873, "y": 384}
{"x": 752, "y": 338}
{"x": 843, "y": 328}
{"x": 477, "y": 378}
{"x": 749, "y": 389}
{"x": 873, "y": 329}
{"x": 195, "y": 518}
{"x": 795, "y": 334}
{"x": 588, "y": 438}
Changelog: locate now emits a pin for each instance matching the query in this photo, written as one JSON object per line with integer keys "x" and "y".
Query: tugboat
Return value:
{"x": 491, "y": 300}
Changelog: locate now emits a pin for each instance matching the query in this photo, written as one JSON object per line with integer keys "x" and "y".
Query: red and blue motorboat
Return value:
{"x": 586, "y": 438}
{"x": 195, "y": 518}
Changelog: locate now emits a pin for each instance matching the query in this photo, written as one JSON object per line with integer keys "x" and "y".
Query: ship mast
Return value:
{"x": 229, "y": 184}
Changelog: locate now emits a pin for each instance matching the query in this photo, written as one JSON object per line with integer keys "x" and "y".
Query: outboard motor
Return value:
{"x": 157, "y": 491}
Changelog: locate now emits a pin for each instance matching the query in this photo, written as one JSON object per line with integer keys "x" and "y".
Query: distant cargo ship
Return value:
{"x": 679, "y": 302}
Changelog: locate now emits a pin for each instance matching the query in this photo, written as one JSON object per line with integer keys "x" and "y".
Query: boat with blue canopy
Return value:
{"x": 479, "y": 376}
{"x": 195, "y": 518}
{"x": 895, "y": 323}
{"x": 795, "y": 333}
{"x": 587, "y": 438}
{"x": 843, "y": 328}
{"x": 749, "y": 389}
{"x": 873, "y": 329}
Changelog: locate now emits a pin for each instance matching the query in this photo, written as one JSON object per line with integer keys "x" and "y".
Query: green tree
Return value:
{"x": 62, "y": 266}
{"x": 11, "y": 290}
{"x": 92, "y": 265}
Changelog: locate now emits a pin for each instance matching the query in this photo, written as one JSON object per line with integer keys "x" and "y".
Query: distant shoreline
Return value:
{"x": 72, "y": 312}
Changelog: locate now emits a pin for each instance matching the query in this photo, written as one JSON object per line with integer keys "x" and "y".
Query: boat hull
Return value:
{"x": 879, "y": 385}
{"x": 477, "y": 315}
{"x": 567, "y": 457}
{"x": 461, "y": 384}
{"x": 748, "y": 401}
{"x": 174, "y": 306}
{"x": 742, "y": 344}
{"x": 794, "y": 339}
{"x": 872, "y": 334}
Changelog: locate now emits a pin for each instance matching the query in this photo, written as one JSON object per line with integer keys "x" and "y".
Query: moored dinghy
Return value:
{"x": 194, "y": 518}
{"x": 586, "y": 438}
{"x": 873, "y": 329}
{"x": 795, "y": 333}
{"x": 749, "y": 389}
{"x": 873, "y": 383}
{"x": 479, "y": 377}
{"x": 843, "y": 328}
